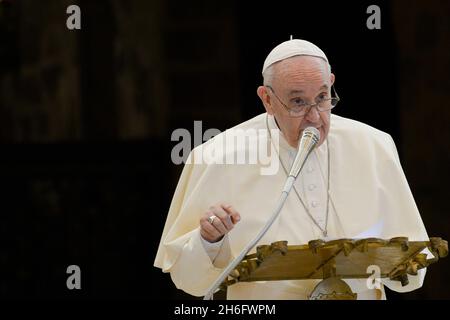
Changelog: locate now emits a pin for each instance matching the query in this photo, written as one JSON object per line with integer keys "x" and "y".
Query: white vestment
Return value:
{"x": 369, "y": 197}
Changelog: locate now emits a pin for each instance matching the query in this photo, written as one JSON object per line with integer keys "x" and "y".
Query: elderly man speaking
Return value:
{"x": 351, "y": 186}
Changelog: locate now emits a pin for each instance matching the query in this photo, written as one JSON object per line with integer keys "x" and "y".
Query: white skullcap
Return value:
{"x": 291, "y": 48}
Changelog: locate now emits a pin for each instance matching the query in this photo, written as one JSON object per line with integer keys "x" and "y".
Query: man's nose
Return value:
{"x": 313, "y": 114}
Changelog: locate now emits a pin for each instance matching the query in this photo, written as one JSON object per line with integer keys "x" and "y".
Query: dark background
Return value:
{"x": 86, "y": 118}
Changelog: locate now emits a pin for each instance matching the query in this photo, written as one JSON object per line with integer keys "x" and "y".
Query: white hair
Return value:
{"x": 268, "y": 75}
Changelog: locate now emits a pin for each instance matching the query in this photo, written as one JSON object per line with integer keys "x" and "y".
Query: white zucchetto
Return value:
{"x": 291, "y": 48}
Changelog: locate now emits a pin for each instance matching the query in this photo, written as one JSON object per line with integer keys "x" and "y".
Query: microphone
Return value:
{"x": 308, "y": 141}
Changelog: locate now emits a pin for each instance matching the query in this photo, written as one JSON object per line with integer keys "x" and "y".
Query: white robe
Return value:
{"x": 369, "y": 197}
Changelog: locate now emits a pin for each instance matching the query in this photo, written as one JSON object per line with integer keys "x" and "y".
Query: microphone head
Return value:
{"x": 308, "y": 141}
{"x": 312, "y": 133}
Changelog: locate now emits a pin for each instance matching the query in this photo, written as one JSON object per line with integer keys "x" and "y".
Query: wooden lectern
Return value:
{"x": 336, "y": 260}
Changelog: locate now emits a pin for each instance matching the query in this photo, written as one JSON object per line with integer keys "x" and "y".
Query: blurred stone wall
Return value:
{"x": 135, "y": 70}
{"x": 39, "y": 73}
{"x": 422, "y": 36}
{"x": 85, "y": 124}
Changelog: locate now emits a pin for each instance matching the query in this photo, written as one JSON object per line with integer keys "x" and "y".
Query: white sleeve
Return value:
{"x": 219, "y": 252}
{"x": 193, "y": 270}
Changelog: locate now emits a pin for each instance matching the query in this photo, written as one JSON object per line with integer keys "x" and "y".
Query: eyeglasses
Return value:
{"x": 298, "y": 108}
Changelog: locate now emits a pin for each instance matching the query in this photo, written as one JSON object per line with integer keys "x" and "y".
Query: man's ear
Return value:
{"x": 265, "y": 99}
{"x": 332, "y": 78}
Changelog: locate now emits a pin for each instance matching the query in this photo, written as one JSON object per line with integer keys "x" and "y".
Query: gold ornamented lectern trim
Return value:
{"x": 344, "y": 258}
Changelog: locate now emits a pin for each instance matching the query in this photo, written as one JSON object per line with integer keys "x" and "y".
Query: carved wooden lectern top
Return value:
{"x": 343, "y": 258}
